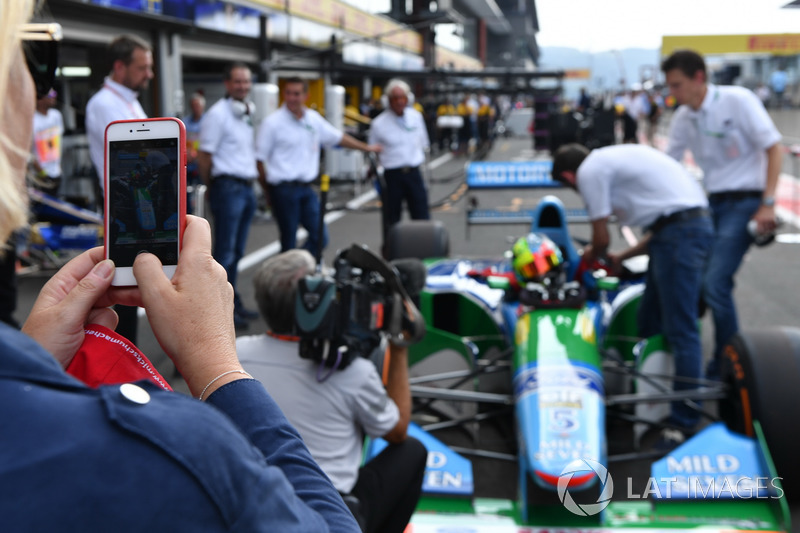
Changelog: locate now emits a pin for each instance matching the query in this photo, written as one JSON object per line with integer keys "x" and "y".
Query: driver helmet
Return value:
{"x": 534, "y": 256}
{"x": 159, "y": 164}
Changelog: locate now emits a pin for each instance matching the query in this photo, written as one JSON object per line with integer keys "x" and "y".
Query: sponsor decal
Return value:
{"x": 576, "y": 376}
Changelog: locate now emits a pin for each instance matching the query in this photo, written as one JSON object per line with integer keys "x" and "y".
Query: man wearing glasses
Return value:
{"x": 736, "y": 144}
{"x": 287, "y": 152}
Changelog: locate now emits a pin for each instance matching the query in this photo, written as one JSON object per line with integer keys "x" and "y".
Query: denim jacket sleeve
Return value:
{"x": 257, "y": 415}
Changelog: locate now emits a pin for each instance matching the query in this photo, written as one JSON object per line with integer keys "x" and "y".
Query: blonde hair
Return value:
{"x": 13, "y": 198}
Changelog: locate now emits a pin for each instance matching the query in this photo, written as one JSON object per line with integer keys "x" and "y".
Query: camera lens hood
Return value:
{"x": 406, "y": 325}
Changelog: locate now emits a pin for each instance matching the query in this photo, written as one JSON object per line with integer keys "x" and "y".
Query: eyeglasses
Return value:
{"x": 41, "y": 44}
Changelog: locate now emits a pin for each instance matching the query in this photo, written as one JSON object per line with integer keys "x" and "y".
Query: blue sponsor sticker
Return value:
{"x": 532, "y": 377}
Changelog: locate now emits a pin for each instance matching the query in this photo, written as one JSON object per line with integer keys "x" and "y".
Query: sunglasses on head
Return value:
{"x": 41, "y": 45}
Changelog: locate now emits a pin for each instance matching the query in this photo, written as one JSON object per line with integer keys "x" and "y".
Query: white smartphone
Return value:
{"x": 145, "y": 193}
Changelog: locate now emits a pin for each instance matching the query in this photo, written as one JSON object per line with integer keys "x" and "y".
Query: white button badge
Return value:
{"x": 134, "y": 393}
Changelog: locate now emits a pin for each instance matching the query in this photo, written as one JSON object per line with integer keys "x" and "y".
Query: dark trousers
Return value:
{"x": 405, "y": 184}
{"x": 389, "y": 487}
{"x": 233, "y": 204}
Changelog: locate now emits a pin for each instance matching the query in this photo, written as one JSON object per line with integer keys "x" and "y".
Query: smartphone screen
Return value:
{"x": 143, "y": 198}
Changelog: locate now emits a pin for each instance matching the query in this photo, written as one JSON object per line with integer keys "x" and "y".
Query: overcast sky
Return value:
{"x": 600, "y": 25}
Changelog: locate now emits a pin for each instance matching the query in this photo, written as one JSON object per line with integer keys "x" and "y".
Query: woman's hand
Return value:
{"x": 77, "y": 295}
{"x": 192, "y": 314}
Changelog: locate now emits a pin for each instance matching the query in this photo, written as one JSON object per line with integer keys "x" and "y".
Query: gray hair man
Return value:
{"x": 333, "y": 415}
{"x": 401, "y": 130}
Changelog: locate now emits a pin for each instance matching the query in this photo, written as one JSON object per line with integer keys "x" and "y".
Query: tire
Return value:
{"x": 762, "y": 369}
{"x": 421, "y": 239}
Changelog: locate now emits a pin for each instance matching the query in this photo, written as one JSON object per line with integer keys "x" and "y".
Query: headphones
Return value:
{"x": 242, "y": 108}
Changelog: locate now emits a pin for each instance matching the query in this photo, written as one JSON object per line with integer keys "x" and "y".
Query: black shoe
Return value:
{"x": 239, "y": 321}
{"x": 669, "y": 440}
{"x": 245, "y": 313}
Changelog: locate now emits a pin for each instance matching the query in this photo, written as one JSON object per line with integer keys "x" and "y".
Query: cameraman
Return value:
{"x": 332, "y": 416}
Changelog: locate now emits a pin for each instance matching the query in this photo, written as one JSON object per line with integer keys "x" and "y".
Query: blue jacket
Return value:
{"x": 79, "y": 459}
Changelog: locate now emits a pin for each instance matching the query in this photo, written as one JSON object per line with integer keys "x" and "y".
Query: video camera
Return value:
{"x": 348, "y": 315}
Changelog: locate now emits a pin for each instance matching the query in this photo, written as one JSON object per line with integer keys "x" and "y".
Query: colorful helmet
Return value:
{"x": 535, "y": 256}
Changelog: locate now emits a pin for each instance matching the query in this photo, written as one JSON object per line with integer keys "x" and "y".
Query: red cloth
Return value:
{"x": 106, "y": 358}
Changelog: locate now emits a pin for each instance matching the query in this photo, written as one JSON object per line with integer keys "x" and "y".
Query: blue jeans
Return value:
{"x": 731, "y": 241}
{"x": 678, "y": 255}
{"x": 233, "y": 204}
{"x": 293, "y": 205}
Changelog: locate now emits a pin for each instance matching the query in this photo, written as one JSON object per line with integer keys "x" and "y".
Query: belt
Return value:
{"x": 292, "y": 183}
{"x": 234, "y": 178}
{"x": 401, "y": 170}
{"x": 677, "y": 216}
{"x": 734, "y": 195}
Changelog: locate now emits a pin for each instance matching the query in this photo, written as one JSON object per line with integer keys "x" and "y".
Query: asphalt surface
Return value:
{"x": 766, "y": 292}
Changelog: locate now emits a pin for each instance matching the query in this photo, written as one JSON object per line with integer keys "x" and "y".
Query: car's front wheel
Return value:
{"x": 762, "y": 369}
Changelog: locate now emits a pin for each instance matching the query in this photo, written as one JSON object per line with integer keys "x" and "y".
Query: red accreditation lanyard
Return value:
{"x": 282, "y": 337}
{"x": 131, "y": 108}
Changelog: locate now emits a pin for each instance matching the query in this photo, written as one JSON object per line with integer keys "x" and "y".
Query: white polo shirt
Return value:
{"x": 403, "y": 138}
{"x": 289, "y": 147}
{"x": 636, "y": 183}
{"x": 331, "y": 416}
{"x": 228, "y": 137}
{"x": 113, "y": 102}
{"x": 728, "y": 137}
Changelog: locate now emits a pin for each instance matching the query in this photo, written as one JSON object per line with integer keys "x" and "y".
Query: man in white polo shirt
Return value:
{"x": 131, "y": 64}
{"x": 401, "y": 131}
{"x": 131, "y": 69}
{"x": 287, "y": 149}
{"x": 736, "y": 144}
{"x": 226, "y": 163}
{"x": 644, "y": 187}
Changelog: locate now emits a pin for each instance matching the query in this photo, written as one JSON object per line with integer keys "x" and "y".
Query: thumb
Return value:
{"x": 105, "y": 316}
{"x": 150, "y": 277}
{"x": 91, "y": 288}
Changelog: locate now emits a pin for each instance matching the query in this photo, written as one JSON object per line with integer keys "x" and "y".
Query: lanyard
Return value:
{"x": 282, "y": 337}
{"x": 131, "y": 108}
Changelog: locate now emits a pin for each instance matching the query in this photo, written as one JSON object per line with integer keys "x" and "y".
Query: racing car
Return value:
{"x": 562, "y": 352}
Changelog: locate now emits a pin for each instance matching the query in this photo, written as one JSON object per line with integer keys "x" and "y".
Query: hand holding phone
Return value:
{"x": 145, "y": 193}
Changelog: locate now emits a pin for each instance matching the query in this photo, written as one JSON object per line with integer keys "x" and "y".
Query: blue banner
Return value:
{"x": 488, "y": 174}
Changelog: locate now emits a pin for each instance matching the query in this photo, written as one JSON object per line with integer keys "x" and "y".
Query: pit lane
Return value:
{"x": 766, "y": 292}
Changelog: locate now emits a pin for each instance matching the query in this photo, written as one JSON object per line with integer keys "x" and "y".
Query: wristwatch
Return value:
{"x": 768, "y": 201}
